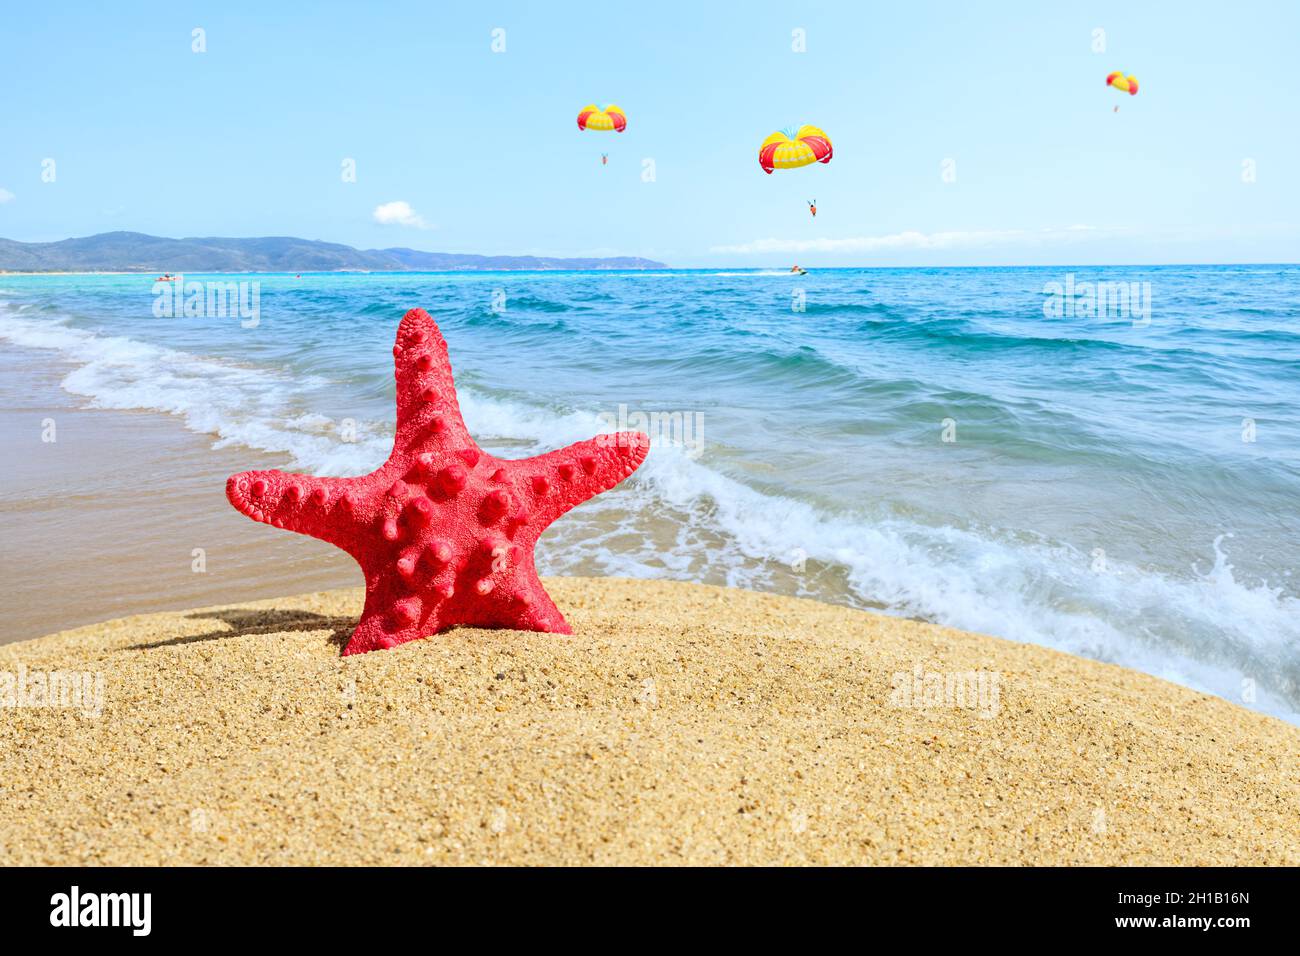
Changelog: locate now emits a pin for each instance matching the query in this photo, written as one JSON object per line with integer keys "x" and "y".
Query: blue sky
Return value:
{"x": 249, "y": 137}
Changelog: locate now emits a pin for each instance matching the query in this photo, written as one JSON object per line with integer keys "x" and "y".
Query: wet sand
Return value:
{"x": 679, "y": 724}
{"x": 105, "y": 519}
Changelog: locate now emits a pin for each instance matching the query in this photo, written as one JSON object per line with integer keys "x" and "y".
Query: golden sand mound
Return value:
{"x": 679, "y": 724}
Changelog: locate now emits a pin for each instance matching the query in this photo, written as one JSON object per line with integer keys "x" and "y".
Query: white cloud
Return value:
{"x": 918, "y": 240}
{"x": 399, "y": 213}
{"x": 5, "y": 195}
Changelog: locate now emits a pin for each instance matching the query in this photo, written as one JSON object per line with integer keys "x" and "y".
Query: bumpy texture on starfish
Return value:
{"x": 444, "y": 532}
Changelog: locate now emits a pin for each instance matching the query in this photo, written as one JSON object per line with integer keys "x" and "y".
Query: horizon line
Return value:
{"x": 783, "y": 271}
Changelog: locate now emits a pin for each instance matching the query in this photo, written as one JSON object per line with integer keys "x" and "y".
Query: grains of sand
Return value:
{"x": 678, "y": 724}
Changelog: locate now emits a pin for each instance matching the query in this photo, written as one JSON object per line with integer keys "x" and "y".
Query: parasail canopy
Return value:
{"x": 602, "y": 120}
{"x": 782, "y": 150}
{"x": 1125, "y": 84}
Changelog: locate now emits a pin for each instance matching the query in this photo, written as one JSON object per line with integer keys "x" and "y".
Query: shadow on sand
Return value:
{"x": 240, "y": 623}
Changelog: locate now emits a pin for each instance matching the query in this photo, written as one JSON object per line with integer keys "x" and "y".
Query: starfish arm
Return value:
{"x": 370, "y": 634}
{"x": 377, "y": 629}
{"x": 323, "y": 508}
{"x": 426, "y": 394}
{"x": 564, "y": 478}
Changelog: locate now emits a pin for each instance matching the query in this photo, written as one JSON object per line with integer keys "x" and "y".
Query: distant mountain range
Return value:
{"x": 136, "y": 252}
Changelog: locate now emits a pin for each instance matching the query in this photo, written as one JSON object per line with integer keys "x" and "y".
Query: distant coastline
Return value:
{"x": 123, "y": 253}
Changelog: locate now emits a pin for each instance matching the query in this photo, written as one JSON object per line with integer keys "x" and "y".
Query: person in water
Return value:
{"x": 812, "y": 208}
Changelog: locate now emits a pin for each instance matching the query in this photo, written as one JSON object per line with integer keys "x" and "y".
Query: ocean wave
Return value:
{"x": 256, "y": 407}
{"x": 389, "y": 308}
{"x": 511, "y": 322}
{"x": 534, "y": 303}
{"x": 1208, "y": 631}
{"x": 756, "y": 274}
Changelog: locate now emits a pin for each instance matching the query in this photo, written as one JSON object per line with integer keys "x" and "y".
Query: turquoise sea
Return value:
{"x": 995, "y": 449}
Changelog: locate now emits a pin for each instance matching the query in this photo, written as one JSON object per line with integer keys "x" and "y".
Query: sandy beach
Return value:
{"x": 679, "y": 724}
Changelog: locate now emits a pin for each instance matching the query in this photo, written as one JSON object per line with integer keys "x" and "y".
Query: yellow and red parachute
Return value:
{"x": 783, "y": 151}
{"x": 611, "y": 117}
{"x": 1125, "y": 84}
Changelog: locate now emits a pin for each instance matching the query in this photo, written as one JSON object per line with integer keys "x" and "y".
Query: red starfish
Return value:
{"x": 444, "y": 532}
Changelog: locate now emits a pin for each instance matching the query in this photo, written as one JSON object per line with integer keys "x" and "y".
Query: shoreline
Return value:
{"x": 680, "y": 723}
{"x": 124, "y": 551}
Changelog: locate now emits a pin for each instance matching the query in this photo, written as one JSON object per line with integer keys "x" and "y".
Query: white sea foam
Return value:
{"x": 757, "y": 273}
{"x": 256, "y": 407}
{"x": 1204, "y": 629}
